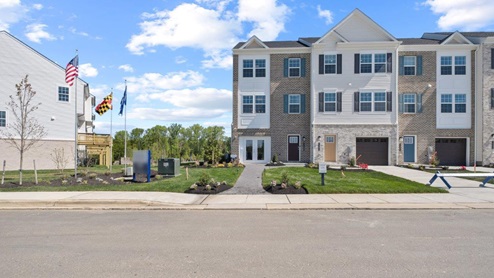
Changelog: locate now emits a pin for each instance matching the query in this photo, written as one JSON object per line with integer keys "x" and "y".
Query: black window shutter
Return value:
{"x": 401, "y": 107}
{"x": 389, "y": 101}
{"x": 419, "y": 65}
{"x": 401, "y": 62}
{"x": 321, "y": 64}
{"x": 389, "y": 67}
{"x": 492, "y": 98}
{"x": 356, "y": 101}
{"x": 302, "y": 103}
{"x": 492, "y": 58}
{"x": 285, "y": 67}
{"x": 338, "y": 63}
{"x": 321, "y": 101}
{"x": 338, "y": 101}
{"x": 357, "y": 64}
{"x": 302, "y": 67}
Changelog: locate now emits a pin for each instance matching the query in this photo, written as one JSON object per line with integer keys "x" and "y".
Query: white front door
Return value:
{"x": 255, "y": 149}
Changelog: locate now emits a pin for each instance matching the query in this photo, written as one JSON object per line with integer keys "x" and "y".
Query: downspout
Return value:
{"x": 396, "y": 102}
{"x": 475, "y": 106}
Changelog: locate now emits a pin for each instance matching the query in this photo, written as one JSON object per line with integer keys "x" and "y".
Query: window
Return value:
{"x": 409, "y": 103}
{"x": 456, "y": 101}
{"x": 259, "y": 69}
{"x": 460, "y": 65}
{"x": 329, "y": 102}
{"x": 247, "y": 104}
{"x": 409, "y": 63}
{"x": 3, "y": 119}
{"x": 294, "y": 67}
{"x": 365, "y": 102}
{"x": 260, "y": 104}
{"x": 379, "y": 62}
{"x": 294, "y": 104}
{"x": 380, "y": 102}
{"x": 329, "y": 64}
{"x": 366, "y": 63}
{"x": 460, "y": 103}
{"x": 63, "y": 94}
{"x": 446, "y": 103}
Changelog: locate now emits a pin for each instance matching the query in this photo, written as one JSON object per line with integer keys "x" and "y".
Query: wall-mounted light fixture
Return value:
{"x": 318, "y": 138}
{"x": 401, "y": 139}
{"x": 303, "y": 138}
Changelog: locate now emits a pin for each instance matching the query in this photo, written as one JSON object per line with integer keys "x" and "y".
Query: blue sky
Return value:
{"x": 176, "y": 55}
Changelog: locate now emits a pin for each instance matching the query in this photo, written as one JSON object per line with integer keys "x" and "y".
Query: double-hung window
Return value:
{"x": 260, "y": 104}
{"x": 294, "y": 104}
{"x": 247, "y": 104}
{"x": 330, "y": 64}
{"x": 3, "y": 119}
{"x": 379, "y": 62}
{"x": 459, "y": 65}
{"x": 453, "y": 103}
{"x": 254, "y": 68}
{"x": 409, "y": 63}
{"x": 366, "y": 63}
{"x": 374, "y": 63}
{"x": 380, "y": 102}
{"x": 409, "y": 103}
{"x": 294, "y": 65}
{"x": 366, "y": 102}
{"x": 63, "y": 94}
{"x": 329, "y": 102}
{"x": 373, "y": 101}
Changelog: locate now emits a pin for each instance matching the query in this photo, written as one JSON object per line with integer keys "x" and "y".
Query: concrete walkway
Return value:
{"x": 249, "y": 182}
{"x": 465, "y": 194}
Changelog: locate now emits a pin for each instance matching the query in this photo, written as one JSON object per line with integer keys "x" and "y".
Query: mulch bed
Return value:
{"x": 214, "y": 190}
{"x": 288, "y": 190}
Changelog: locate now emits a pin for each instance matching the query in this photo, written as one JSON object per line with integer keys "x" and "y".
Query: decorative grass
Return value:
{"x": 351, "y": 181}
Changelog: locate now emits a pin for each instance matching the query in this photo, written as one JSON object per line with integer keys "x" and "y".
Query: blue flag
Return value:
{"x": 123, "y": 102}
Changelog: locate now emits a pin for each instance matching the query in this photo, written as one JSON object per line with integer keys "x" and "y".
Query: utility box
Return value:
{"x": 169, "y": 166}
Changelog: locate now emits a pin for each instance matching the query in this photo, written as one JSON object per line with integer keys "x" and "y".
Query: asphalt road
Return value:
{"x": 319, "y": 243}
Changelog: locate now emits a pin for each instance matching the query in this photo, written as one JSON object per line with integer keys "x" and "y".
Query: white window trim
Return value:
{"x": 373, "y": 62}
{"x": 255, "y": 104}
{"x": 6, "y": 119}
{"x": 299, "y": 103}
{"x": 335, "y": 103}
{"x": 252, "y": 104}
{"x": 335, "y": 64}
{"x": 453, "y": 104}
{"x": 406, "y": 66}
{"x": 299, "y": 67}
{"x": 453, "y": 64}
{"x": 372, "y": 102}
{"x": 58, "y": 93}
{"x": 254, "y": 67}
{"x": 253, "y": 95}
{"x": 410, "y": 103}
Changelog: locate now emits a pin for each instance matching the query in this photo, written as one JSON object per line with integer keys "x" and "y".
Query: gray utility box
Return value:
{"x": 169, "y": 166}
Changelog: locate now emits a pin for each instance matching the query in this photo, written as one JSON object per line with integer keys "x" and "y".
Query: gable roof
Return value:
{"x": 356, "y": 13}
{"x": 3, "y": 32}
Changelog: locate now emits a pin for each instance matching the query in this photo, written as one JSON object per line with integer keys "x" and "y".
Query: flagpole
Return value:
{"x": 111, "y": 130}
{"x": 76, "y": 123}
{"x": 125, "y": 138}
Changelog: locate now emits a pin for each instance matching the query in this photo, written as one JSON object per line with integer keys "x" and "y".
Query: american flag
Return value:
{"x": 71, "y": 71}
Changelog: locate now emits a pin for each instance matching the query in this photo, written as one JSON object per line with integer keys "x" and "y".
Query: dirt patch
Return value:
{"x": 290, "y": 189}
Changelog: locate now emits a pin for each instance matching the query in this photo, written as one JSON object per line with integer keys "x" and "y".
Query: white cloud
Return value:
{"x": 36, "y": 33}
{"x": 38, "y": 6}
{"x": 174, "y": 115}
{"x": 155, "y": 82}
{"x": 467, "y": 15}
{"x": 11, "y": 12}
{"x": 267, "y": 16}
{"x": 126, "y": 68}
{"x": 200, "y": 98}
{"x": 213, "y": 29}
{"x": 87, "y": 70}
{"x": 100, "y": 91}
{"x": 180, "y": 60}
{"x": 325, "y": 14}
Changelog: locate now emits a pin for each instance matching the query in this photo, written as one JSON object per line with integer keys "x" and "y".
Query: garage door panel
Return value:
{"x": 451, "y": 151}
{"x": 372, "y": 151}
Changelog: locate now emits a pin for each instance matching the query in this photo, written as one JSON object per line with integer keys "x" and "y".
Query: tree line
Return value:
{"x": 175, "y": 141}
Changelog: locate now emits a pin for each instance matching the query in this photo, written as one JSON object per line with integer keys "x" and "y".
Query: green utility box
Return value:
{"x": 169, "y": 166}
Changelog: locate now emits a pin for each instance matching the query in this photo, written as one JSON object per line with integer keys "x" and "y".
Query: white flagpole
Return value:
{"x": 111, "y": 130}
{"x": 125, "y": 127}
{"x": 76, "y": 119}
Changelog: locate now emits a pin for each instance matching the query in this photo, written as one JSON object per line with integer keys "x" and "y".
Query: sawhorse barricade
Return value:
{"x": 442, "y": 176}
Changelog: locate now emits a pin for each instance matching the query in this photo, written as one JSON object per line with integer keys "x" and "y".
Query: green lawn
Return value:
{"x": 359, "y": 181}
{"x": 176, "y": 184}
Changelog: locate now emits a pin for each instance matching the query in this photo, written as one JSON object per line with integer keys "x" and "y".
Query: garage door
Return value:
{"x": 451, "y": 151}
{"x": 372, "y": 151}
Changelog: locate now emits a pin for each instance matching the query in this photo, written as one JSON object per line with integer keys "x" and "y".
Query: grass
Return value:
{"x": 175, "y": 184}
{"x": 352, "y": 182}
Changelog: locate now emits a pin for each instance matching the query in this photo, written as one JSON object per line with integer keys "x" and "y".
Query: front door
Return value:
{"x": 409, "y": 148}
{"x": 293, "y": 148}
{"x": 330, "y": 148}
{"x": 255, "y": 150}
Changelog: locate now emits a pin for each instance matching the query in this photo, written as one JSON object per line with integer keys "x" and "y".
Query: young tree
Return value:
{"x": 23, "y": 131}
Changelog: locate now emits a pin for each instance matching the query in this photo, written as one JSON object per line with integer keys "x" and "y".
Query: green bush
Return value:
{"x": 284, "y": 177}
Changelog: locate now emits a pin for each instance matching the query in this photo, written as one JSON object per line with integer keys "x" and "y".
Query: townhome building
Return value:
{"x": 56, "y": 112}
{"x": 373, "y": 98}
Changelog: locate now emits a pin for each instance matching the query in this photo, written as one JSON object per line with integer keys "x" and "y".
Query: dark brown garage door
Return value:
{"x": 451, "y": 151}
{"x": 372, "y": 151}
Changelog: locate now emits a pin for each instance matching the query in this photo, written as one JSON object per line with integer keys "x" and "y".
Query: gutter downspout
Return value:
{"x": 475, "y": 107}
{"x": 396, "y": 102}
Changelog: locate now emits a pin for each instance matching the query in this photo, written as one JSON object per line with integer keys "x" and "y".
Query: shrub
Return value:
{"x": 298, "y": 185}
{"x": 208, "y": 187}
{"x": 204, "y": 178}
{"x": 422, "y": 167}
{"x": 229, "y": 165}
{"x": 158, "y": 177}
{"x": 275, "y": 158}
{"x": 352, "y": 161}
{"x": 283, "y": 185}
{"x": 434, "y": 161}
{"x": 92, "y": 175}
{"x": 107, "y": 173}
{"x": 193, "y": 187}
{"x": 284, "y": 177}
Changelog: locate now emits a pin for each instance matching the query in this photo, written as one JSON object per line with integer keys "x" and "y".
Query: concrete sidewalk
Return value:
{"x": 465, "y": 194}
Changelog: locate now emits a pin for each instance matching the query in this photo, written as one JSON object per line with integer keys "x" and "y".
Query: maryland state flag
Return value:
{"x": 105, "y": 105}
